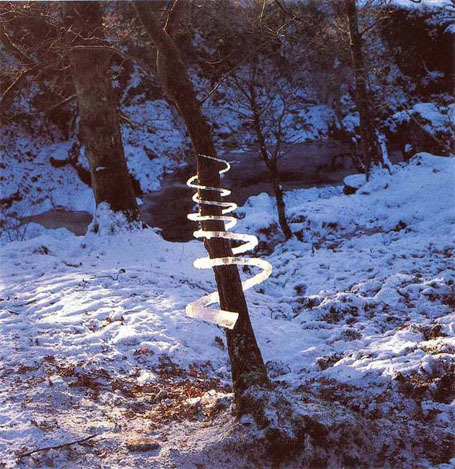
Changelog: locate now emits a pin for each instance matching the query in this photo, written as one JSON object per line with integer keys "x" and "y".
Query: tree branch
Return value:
{"x": 15, "y": 84}
{"x": 113, "y": 50}
{"x": 12, "y": 48}
{"x": 28, "y": 453}
{"x": 60, "y": 103}
{"x": 174, "y": 16}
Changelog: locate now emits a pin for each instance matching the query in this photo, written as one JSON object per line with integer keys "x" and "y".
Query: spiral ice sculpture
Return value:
{"x": 200, "y": 308}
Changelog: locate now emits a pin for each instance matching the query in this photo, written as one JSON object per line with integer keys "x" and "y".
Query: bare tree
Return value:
{"x": 266, "y": 103}
{"x": 248, "y": 369}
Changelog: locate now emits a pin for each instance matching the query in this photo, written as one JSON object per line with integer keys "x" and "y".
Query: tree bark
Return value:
{"x": 97, "y": 105}
{"x": 247, "y": 365}
{"x": 368, "y": 142}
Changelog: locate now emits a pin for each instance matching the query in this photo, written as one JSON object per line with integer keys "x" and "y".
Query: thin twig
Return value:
{"x": 15, "y": 84}
{"x": 28, "y": 453}
{"x": 61, "y": 103}
{"x": 231, "y": 71}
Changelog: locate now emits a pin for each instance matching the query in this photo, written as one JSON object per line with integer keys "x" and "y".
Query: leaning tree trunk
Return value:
{"x": 368, "y": 142}
{"x": 247, "y": 365}
{"x": 99, "y": 126}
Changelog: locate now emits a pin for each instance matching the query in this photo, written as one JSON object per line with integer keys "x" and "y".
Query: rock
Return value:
{"x": 142, "y": 444}
{"x": 353, "y": 182}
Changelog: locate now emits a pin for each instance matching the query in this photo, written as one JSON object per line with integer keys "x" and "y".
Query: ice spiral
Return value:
{"x": 200, "y": 308}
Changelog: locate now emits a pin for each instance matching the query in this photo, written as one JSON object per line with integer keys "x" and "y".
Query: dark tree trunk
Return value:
{"x": 280, "y": 206}
{"x": 97, "y": 107}
{"x": 368, "y": 142}
{"x": 247, "y": 365}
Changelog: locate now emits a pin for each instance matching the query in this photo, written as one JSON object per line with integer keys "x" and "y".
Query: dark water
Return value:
{"x": 304, "y": 165}
{"x": 75, "y": 221}
{"x": 301, "y": 167}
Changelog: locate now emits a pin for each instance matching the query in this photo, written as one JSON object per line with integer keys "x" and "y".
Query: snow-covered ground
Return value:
{"x": 360, "y": 310}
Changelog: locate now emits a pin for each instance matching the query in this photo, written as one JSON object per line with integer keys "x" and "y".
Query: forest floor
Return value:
{"x": 99, "y": 361}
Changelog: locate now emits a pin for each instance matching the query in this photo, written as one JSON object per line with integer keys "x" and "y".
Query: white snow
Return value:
{"x": 359, "y": 308}
{"x": 155, "y": 144}
{"x": 386, "y": 249}
{"x": 312, "y": 123}
{"x": 41, "y": 186}
{"x": 355, "y": 180}
{"x": 351, "y": 121}
{"x": 434, "y": 118}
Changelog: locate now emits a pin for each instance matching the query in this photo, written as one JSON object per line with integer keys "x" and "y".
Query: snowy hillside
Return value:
{"x": 360, "y": 311}
{"x": 41, "y": 169}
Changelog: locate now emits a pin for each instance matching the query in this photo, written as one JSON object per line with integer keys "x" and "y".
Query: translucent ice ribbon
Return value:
{"x": 200, "y": 308}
